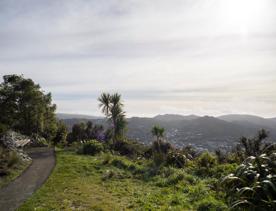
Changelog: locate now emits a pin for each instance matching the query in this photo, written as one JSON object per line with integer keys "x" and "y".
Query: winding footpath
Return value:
{"x": 15, "y": 193}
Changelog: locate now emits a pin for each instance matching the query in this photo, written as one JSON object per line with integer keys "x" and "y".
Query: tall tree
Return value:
{"x": 24, "y": 107}
{"x": 112, "y": 106}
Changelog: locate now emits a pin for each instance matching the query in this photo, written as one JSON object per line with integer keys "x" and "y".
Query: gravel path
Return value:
{"x": 14, "y": 194}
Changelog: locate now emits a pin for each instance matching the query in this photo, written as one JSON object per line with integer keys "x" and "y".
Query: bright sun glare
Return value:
{"x": 243, "y": 15}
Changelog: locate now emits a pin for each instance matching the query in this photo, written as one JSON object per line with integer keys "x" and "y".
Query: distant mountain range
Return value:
{"x": 202, "y": 132}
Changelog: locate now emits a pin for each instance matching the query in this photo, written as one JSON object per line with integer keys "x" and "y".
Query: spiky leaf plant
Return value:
{"x": 253, "y": 185}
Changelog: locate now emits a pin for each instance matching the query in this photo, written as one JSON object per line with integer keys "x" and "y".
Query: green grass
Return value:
{"x": 13, "y": 172}
{"x": 108, "y": 182}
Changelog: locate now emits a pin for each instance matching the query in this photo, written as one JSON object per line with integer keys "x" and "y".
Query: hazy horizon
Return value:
{"x": 183, "y": 56}
{"x": 102, "y": 116}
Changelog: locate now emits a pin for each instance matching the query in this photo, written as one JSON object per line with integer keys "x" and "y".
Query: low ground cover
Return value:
{"x": 112, "y": 182}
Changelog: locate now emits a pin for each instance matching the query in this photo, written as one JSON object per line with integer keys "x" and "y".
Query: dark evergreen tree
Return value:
{"x": 26, "y": 108}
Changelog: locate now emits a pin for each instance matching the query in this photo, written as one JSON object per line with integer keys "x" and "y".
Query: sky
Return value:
{"x": 204, "y": 57}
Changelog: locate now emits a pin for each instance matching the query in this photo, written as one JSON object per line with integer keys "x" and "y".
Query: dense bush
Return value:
{"x": 253, "y": 146}
{"x": 91, "y": 147}
{"x": 85, "y": 131}
{"x": 206, "y": 160}
{"x": 159, "y": 158}
{"x": 129, "y": 148}
{"x": 205, "y": 164}
{"x": 176, "y": 159}
{"x": 162, "y": 147}
{"x": 189, "y": 151}
{"x": 221, "y": 170}
{"x": 253, "y": 185}
{"x": 159, "y": 152}
{"x": 222, "y": 156}
{"x": 8, "y": 159}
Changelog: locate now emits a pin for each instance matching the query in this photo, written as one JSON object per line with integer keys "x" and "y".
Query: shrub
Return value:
{"x": 205, "y": 164}
{"x": 129, "y": 148}
{"x": 119, "y": 163}
{"x": 223, "y": 169}
{"x": 206, "y": 160}
{"x": 159, "y": 158}
{"x": 221, "y": 156}
{"x": 253, "y": 146}
{"x": 253, "y": 185}
{"x": 8, "y": 159}
{"x": 12, "y": 158}
{"x": 162, "y": 147}
{"x": 148, "y": 153}
{"x": 91, "y": 147}
{"x": 189, "y": 151}
{"x": 176, "y": 159}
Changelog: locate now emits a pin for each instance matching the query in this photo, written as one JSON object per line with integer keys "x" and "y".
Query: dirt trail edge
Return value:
{"x": 15, "y": 193}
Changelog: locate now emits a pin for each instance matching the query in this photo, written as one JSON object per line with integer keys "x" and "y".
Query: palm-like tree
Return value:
{"x": 115, "y": 99}
{"x": 112, "y": 107}
{"x": 158, "y": 132}
{"x": 105, "y": 101}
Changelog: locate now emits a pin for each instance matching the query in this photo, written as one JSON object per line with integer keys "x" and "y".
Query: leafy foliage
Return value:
{"x": 206, "y": 160}
{"x": 61, "y": 135}
{"x": 130, "y": 148}
{"x": 253, "y": 185}
{"x": 205, "y": 163}
{"x": 91, "y": 147}
{"x": 25, "y": 107}
{"x": 112, "y": 107}
{"x": 190, "y": 152}
{"x": 253, "y": 146}
{"x": 176, "y": 159}
{"x": 158, "y": 132}
{"x": 86, "y": 131}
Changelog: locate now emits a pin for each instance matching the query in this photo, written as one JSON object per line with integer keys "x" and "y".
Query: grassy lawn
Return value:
{"x": 107, "y": 182}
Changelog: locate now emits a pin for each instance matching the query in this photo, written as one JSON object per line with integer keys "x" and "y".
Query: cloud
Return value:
{"x": 189, "y": 56}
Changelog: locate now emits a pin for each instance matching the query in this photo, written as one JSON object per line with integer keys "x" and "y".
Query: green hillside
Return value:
{"x": 111, "y": 182}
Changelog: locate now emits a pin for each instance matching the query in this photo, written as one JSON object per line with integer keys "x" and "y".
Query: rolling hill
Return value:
{"x": 201, "y": 132}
